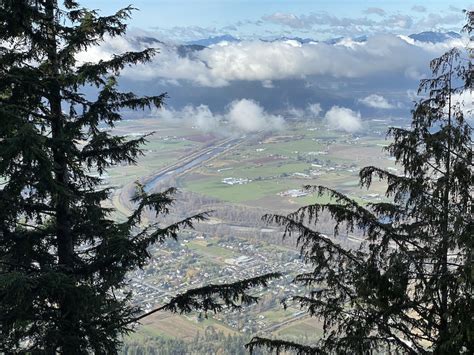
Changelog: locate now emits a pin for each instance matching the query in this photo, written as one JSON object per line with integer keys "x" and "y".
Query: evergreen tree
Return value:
{"x": 63, "y": 260}
{"x": 409, "y": 287}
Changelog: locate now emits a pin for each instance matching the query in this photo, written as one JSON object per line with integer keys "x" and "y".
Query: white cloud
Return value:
{"x": 262, "y": 61}
{"x": 289, "y": 20}
{"x": 384, "y": 22}
{"x": 317, "y": 19}
{"x": 315, "y": 110}
{"x": 241, "y": 116}
{"x": 376, "y": 101}
{"x": 248, "y": 116}
{"x": 344, "y": 119}
{"x": 202, "y": 117}
{"x": 268, "y": 62}
{"x": 311, "y": 111}
{"x": 275, "y": 61}
{"x": 268, "y": 84}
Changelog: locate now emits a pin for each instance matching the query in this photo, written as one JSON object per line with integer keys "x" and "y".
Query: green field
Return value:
{"x": 307, "y": 329}
{"x": 237, "y": 193}
{"x": 270, "y": 161}
{"x": 165, "y": 325}
{"x": 210, "y": 250}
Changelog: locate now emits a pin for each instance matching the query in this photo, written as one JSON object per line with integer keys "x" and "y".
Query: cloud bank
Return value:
{"x": 267, "y": 62}
{"x": 248, "y": 116}
{"x": 242, "y": 116}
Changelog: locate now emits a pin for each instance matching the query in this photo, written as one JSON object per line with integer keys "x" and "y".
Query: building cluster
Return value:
{"x": 293, "y": 193}
{"x": 178, "y": 267}
{"x": 236, "y": 181}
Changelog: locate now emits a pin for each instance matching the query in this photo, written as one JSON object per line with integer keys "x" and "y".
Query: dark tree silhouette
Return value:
{"x": 62, "y": 257}
{"x": 409, "y": 287}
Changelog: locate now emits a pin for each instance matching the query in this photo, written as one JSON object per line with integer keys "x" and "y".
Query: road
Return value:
{"x": 185, "y": 164}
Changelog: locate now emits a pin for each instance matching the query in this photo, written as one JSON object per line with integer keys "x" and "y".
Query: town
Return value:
{"x": 197, "y": 259}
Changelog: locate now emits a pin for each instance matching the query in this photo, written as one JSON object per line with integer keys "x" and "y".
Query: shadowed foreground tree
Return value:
{"x": 63, "y": 260}
{"x": 409, "y": 287}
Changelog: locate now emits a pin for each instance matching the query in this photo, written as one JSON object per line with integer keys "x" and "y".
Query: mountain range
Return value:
{"x": 426, "y": 37}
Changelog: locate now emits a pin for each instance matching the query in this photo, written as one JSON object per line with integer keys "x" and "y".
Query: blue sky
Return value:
{"x": 254, "y": 18}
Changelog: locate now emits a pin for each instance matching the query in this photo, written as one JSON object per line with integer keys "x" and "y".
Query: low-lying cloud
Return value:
{"x": 241, "y": 116}
{"x": 248, "y": 116}
{"x": 343, "y": 119}
{"x": 376, "y": 101}
{"x": 311, "y": 111}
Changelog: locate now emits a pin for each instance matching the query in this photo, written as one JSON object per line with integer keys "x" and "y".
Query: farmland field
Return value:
{"x": 266, "y": 169}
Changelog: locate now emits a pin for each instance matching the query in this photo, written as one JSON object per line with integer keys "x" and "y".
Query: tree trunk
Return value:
{"x": 61, "y": 197}
{"x": 444, "y": 316}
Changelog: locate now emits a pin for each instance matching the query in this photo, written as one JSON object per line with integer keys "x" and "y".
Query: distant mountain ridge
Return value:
{"x": 297, "y": 39}
{"x": 434, "y": 37}
{"x": 188, "y": 48}
{"x": 426, "y": 36}
{"x": 213, "y": 40}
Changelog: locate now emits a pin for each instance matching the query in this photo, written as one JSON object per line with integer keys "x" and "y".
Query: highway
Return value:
{"x": 197, "y": 158}
{"x": 121, "y": 197}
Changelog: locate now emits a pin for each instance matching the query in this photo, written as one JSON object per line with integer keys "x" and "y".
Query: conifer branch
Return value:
{"x": 214, "y": 297}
